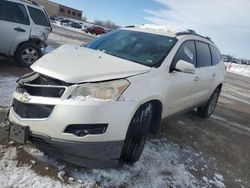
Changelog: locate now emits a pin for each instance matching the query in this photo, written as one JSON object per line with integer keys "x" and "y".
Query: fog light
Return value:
{"x": 81, "y": 130}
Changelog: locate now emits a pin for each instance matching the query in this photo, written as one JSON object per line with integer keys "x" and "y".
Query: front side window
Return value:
{"x": 186, "y": 52}
{"x": 38, "y": 17}
{"x": 216, "y": 55}
{"x": 13, "y": 12}
{"x": 203, "y": 54}
{"x": 140, "y": 47}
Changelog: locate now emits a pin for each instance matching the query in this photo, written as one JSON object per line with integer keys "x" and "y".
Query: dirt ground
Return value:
{"x": 222, "y": 139}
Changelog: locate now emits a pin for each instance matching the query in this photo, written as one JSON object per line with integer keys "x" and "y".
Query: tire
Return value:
{"x": 27, "y": 54}
{"x": 136, "y": 134}
{"x": 208, "y": 109}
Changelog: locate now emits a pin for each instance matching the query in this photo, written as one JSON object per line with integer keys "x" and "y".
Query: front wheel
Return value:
{"x": 136, "y": 134}
{"x": 27, "y": 54}
{"x": 207, "y": 110}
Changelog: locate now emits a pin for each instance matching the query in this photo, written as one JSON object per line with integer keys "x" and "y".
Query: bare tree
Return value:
{"x": 84, "y": 18}
{"x": 106, "y": 24}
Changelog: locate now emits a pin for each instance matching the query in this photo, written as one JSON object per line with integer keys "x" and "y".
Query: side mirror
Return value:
{"x": 184, "y": 66}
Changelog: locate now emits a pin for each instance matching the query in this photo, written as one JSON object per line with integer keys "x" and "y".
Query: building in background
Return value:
{"x": 55, "y": 9}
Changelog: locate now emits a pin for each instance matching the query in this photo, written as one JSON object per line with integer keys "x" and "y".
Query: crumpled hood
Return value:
{"x": 74, "y": 64}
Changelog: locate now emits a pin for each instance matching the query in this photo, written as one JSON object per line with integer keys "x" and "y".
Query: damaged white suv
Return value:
{"x": 24, "y": 29}
{"x": 95, "y": 104}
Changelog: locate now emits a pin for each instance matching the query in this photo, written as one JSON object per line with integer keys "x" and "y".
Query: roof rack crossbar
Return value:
{"x": 192, "y": 32}
{"x": 130, "y": 26}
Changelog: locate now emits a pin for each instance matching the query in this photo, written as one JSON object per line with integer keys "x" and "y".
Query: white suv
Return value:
{"x": 96, "y": 103}
{"x": 24, "y": 28}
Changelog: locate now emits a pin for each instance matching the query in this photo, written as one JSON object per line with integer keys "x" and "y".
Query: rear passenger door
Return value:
{"x": 41, "y": 25}
{"x": 205, "y": 73}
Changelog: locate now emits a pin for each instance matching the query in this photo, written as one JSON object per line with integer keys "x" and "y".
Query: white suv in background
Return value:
{"x": 94, "y": 105}
{"x": 24, "y": 28}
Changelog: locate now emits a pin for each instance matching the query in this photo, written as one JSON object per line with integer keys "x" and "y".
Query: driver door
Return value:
{"x": 181, "y": 91}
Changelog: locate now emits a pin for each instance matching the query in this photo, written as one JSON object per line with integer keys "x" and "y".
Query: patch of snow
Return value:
{"x": 48, "y": 49}
{"x": 7, "y": 86}
{"x": 62, "y": 40}
{"x": 219, "y": 177}
{"x": 181, "y": 122}
{"x": 11, "y": 175}
{"x": 33, "y": 162}
{"x": 158, "y": 157}
{"x": 205, "y": 179}
{"x": 217, "y": 181}
{"x": 165, "y": 28}
{"x": 238, "y": 68}
{"x": 162, "y": 164}
{"x": 74, "y": 29}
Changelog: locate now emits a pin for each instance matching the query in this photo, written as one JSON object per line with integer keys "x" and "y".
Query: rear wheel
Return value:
{"x": 27, "y": 54}
{"x": 207, "y": 110}
{"x": 136, "y": 134}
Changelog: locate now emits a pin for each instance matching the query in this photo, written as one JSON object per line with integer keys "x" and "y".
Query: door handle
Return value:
{"x": 19, "y": 29}
{"x": 213, "y": 75}
{"x": 196, "y": 78}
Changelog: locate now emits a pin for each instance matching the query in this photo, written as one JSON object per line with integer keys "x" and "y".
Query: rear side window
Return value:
{"x": 13, "y": 12}
{"x": 186, "y": 52}
{"x": 216, "y": 55}
{"x": 38, "y": 17}
{"x": 203, "y": 54}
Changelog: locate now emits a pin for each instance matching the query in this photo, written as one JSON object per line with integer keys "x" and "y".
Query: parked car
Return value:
{"x": 53, "y": 19}
{"x": 25, "y": 27}
{"x": 95, "y": 30}
{"x": 65, "y": 21}
{"x": 76, "y": 25}
{"x": 95, "y": 104}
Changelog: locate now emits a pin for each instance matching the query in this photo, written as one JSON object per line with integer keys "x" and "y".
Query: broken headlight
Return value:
{"x": 110, "y": 90}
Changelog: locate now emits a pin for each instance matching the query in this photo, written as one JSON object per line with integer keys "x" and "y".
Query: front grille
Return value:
{"x": 42, "y": 91}
{"x": 39, "y": 85}
{"x": 32, "y": 111}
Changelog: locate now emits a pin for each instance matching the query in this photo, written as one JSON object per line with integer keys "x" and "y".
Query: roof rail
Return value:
{"x": 192, "y": 32}
{"x": 130, "y": 26}
{"x": 30, "y": 2}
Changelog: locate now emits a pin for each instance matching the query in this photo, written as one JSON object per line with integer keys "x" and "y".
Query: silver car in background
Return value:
{"x": 24, "y": 28}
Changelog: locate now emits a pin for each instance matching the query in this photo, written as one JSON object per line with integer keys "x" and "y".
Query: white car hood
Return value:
{"x": 74, "y": 64}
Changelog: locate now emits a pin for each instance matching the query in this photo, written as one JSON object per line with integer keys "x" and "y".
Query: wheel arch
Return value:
{"x": 219, "y": 86}
{"x": 157, "y": 114}
{"x": 36, "y": 41}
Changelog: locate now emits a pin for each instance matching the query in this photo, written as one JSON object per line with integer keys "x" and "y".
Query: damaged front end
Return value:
{"x": 60, "y": 118}
{"x": 34, "y": 84}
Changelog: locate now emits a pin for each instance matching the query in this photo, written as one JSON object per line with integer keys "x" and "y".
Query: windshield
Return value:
{"x": 140, "y": 47}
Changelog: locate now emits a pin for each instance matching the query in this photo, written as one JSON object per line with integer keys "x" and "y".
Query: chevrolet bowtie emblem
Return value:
{"x": 25, "y": 99}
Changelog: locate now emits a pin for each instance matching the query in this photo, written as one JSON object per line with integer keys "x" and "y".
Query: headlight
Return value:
{"x": 110, "y": 90}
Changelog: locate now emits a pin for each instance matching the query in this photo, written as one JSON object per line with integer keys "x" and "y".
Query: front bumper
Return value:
{"x": 86, "y": 154}
{"x": 92, "y": 149}
{"x": 117, "y": 114}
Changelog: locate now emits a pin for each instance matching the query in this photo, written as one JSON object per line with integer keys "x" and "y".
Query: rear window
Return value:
{"x": 216, "y": 55}
{"x": 203, "y": 54}
{"x": 38, "y": 17}
{"x": 13, "y": 12}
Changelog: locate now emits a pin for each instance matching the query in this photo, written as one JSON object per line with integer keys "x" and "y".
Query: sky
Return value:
{"x": 226, "y": 22}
